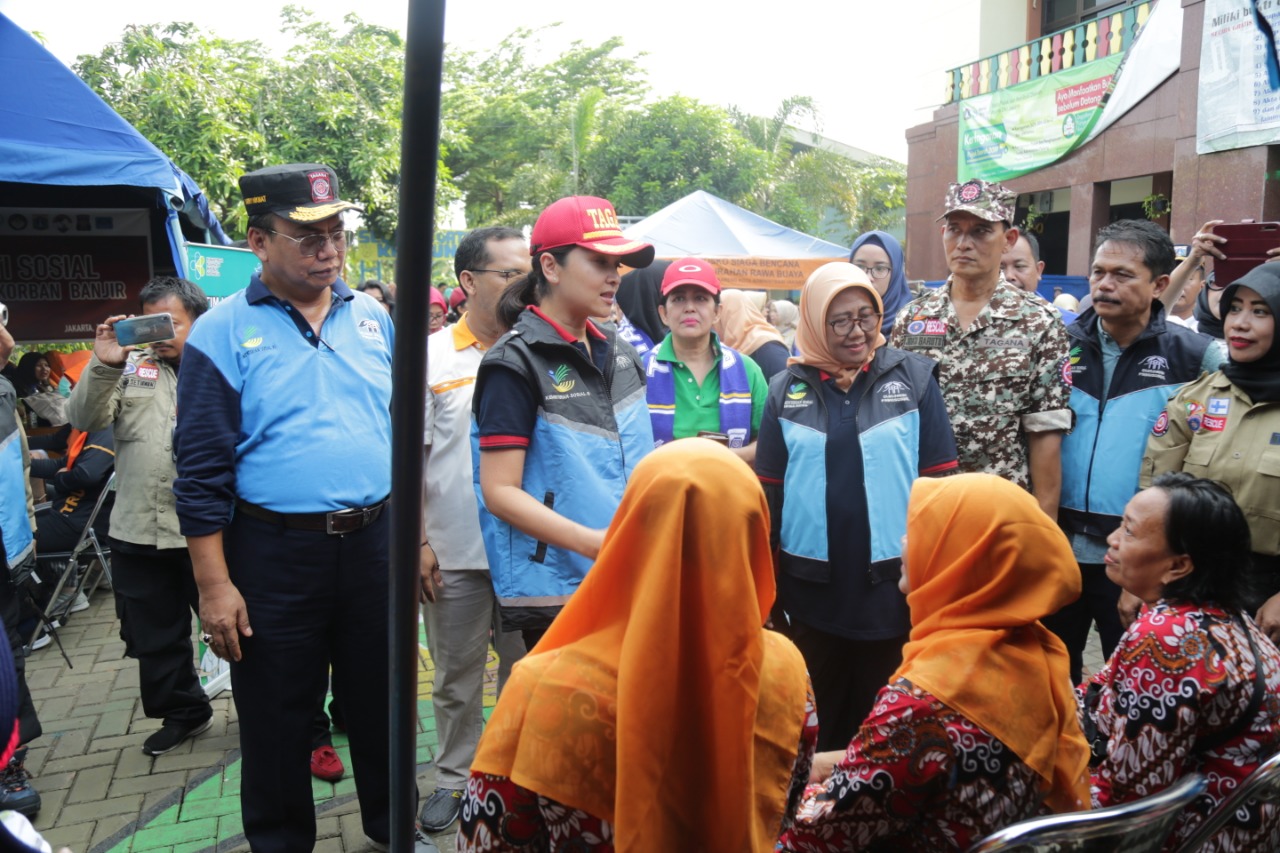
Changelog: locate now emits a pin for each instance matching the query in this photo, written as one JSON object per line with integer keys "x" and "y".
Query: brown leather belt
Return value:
{"x": 334, "y": 523}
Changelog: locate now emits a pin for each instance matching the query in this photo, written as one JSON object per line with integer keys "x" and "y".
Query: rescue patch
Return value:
{"x": 1213, "y": 423}
{"x": 1162, "y": 424}
{"x": 148, "y": 371}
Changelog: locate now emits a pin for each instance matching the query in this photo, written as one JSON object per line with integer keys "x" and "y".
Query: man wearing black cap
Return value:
{"x": 283, "y": 449}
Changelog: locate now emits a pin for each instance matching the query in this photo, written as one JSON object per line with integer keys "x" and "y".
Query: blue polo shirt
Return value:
{"x": 272, "y": 413}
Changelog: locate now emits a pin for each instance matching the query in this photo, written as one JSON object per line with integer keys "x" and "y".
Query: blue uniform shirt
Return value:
{"x": 273, "y": 414}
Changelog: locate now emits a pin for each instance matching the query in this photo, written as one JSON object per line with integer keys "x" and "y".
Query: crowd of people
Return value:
{"x": 811, "y": 576}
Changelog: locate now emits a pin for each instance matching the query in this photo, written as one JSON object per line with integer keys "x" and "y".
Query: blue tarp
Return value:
{"x": 702, "y": 225}
{"x": 55, "y": 130}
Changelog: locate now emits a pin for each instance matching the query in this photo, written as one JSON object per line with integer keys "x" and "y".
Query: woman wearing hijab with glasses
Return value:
{"x": 879, "y": 255}
{"x": 977, "y": 729}
{"x": 1224, "y": 427}
{"x": 847, "y": 428}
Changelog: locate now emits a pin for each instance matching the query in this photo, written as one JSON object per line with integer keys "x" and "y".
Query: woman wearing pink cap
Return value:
{"x": 438, "y": 308}
{"x": 560, "y": 413}
{"x": 697, "y": 384}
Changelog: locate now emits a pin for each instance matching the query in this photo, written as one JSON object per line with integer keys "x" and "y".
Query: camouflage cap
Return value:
{"x": 992, "y": 202}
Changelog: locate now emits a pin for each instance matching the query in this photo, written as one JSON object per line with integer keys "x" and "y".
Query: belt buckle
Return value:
{"x": 363, "y": 514}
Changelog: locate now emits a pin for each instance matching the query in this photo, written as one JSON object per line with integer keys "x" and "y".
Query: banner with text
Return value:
{"x": 63, "y": 270}
{"x": 1013, "y": 131}
{"x": 220, "y": 270}
{"x": 1236, "y": 106}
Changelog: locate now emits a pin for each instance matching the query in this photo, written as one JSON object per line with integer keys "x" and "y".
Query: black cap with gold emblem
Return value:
{"x": 302, "y": 192}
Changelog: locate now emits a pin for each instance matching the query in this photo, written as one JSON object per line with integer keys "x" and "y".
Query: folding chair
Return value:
{"x": 1141, "y": 826}
{"x": 87, "y": 547}
{"x": 1262, "y": 785}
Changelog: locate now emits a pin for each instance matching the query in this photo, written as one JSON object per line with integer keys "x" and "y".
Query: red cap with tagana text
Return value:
{"x": 591, "y": 223}
{"x": 690, "y": 271}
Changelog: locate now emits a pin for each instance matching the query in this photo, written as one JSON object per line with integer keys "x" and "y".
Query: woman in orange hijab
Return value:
{"x": 977, "y": 729}
{"x": 846, "y": 430}
{"x": 656, "y": 713}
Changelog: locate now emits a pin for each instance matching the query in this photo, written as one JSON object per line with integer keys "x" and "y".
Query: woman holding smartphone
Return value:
{"x": 560, "y": 414}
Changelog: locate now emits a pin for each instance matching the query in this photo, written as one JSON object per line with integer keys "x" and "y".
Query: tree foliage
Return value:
{"x": 221, "y": 108}
{"x": 648, "y": 157}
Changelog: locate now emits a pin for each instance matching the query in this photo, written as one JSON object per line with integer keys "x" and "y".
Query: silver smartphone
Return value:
{"x": 147, "y": 329}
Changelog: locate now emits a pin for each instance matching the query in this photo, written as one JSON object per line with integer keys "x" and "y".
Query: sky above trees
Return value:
{"x": 872, "y": 69}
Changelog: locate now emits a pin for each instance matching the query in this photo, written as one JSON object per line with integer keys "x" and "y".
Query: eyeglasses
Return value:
{"x": 507, "y": 275}
{"x": 878, "y": 271}
{"x": 869, "y": 322}
{"x": 310, "y": 245}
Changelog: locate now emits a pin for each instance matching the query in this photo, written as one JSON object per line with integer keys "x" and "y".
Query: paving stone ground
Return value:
{"x": 101, "y": 794}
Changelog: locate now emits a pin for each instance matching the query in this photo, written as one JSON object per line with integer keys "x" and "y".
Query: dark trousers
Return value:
{"x": 56, "y": 531}
{"x": 846, "y": 676}
{"x": 10, "y": 612}
{"x": 1097, "y": 603}
{"x": 155, "y": 596}
{"x": 313, "y": 600}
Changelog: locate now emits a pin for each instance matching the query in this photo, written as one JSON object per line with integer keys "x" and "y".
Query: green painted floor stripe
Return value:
{"x": 207, "y": 814}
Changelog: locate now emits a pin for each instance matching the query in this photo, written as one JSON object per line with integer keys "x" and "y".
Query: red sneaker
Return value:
{"x": 326, "y": 765}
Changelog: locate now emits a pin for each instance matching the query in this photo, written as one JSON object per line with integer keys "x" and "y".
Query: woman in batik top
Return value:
{"x": 1192, "y": 687}
{"x": 656, "y": 713}
{"x": 977, "y": 729}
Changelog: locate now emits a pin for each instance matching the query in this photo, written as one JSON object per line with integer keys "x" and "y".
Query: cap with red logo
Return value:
{"x": 301, "y": 192}
{"x": 591, "y": 223}
{"x": 690, "y": 271}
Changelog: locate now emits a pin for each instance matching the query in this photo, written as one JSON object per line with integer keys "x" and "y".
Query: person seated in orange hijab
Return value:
{"x": 977, "y": 729}
{"x": 656, "y": 713}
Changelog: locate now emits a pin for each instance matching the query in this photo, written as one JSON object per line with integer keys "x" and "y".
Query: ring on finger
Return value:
{"x": 207, "y": 639}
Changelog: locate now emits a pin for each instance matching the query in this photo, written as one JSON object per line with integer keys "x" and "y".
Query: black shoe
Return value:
{"x": 16, "y": 791}
{"x": 171, "y": 735}
{"x": 440, "y": 809}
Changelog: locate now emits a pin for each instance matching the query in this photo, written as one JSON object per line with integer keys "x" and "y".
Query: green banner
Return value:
{"x": 1013, "y": 131}
{"x": 220, "y": 270}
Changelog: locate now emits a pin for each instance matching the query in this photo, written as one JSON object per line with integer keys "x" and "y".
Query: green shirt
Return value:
{"x": 698, "y": 406}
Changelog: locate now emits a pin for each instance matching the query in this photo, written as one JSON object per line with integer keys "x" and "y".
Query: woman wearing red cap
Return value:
{"x": 438, "y": 309}
{"x": 560, "y": 413}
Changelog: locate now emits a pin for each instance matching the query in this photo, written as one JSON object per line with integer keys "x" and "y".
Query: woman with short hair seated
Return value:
{"x": 977, "y": 729}
{"x": 656, "y": 713}
{"x": 1192, "y": 687}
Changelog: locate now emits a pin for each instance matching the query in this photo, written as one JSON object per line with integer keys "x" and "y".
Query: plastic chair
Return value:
{"x": 1263, "y": 785}
{"x": 1141, "y": 826}
{"x": 88, "y": 540}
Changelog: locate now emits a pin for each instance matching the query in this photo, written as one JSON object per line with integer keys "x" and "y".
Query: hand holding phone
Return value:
{"x": 1247, "y": 245}
{"x": 146, "y": 329}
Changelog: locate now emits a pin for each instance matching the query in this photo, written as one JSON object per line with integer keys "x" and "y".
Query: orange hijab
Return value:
{"x": 656, "y": 700}
{"x": 985, "y": 564}
{"x": 742, "y": 325}
{"x": 826, "y": 283}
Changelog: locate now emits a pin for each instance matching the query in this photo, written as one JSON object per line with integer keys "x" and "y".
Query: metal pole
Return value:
{"x": 419, "y": 147}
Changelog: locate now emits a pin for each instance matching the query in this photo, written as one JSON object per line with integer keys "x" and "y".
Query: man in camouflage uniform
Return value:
{"x": 1002, "y": 352}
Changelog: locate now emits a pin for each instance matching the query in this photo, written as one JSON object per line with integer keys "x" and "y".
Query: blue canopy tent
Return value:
{"x": 747, "y": 250}
{"x": 61, "y": 146}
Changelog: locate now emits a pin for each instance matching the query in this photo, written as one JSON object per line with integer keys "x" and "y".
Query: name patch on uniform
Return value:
{"x": 1219, "y": 406}
{"x": 994, "y": 341}
{"x": 926, "y": 332}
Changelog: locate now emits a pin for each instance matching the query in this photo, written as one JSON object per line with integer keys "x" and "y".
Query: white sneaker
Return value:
{"x": 68, "y": 603}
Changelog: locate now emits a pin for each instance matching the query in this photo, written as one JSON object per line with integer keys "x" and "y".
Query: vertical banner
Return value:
{"x": 1236, "y": 107}
{"x": 63, "y": 270}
